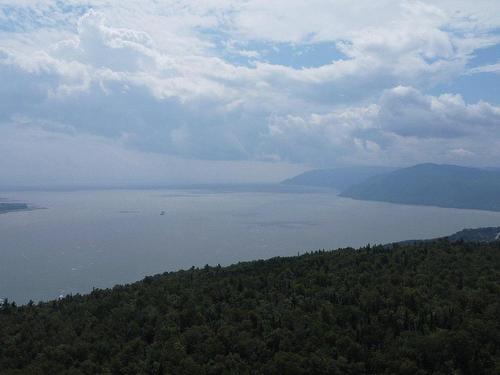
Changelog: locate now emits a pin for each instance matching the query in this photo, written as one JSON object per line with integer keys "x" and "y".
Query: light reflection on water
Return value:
{"x": 88, "y": 239}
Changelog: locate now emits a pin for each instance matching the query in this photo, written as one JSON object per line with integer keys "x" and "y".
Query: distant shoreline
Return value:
{"x": 9, "y": 207}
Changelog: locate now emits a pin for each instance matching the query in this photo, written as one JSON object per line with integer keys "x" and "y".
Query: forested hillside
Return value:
{"x": 431, "y": 308}
{"x": 435, "y": 185}
{"x": 487, "y": 234}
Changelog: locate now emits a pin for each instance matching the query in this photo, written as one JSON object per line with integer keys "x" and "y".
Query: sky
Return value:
{"x": 175, "y": 91}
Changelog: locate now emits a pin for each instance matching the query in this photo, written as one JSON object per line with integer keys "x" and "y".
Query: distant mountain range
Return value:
{"x": 489, "y": 234}
{"x": 434, "y": 185}
{"x": 338, "y": 178}
{"x": 423, "y": 184}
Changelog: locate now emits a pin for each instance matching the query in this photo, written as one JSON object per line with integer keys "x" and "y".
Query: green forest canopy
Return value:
{"x": 429, "y": 308}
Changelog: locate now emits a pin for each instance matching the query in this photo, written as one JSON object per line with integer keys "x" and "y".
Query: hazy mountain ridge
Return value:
{"x": 435, "y": 185}
{"x": 336, "y": 178}
{"x": 480, "y": 235}
{"x": 485, "y": 235}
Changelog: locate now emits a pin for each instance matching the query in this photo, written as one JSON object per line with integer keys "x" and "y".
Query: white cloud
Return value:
{"x": 402, "y": 125}
{"x": 407, "y": 112}
{"x": 460, "y": 152}
{"x": 407, "y": 44}
{"x": 155, "y": 77}
{"x": 492, "y": 68}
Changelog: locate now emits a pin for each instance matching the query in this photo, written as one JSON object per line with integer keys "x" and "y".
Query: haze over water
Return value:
{"x": 86, "y": 239}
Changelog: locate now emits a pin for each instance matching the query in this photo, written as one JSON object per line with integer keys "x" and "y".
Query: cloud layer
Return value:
{"x": 251, "y": 82}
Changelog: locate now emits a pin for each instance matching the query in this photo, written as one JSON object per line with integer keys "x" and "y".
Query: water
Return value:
{"x": 86, "y": 239}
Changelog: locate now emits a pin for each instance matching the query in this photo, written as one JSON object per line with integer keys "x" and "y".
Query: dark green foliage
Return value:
{"x": 432, "y": 308}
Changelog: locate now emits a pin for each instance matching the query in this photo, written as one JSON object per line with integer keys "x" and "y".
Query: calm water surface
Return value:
{"x": 88, "y": 239}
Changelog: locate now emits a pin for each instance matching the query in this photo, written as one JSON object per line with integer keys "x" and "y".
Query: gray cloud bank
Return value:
{"x": 118, "y": 92}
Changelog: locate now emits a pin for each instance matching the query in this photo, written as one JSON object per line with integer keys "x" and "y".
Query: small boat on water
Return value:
{"x": 162, "y": 213}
